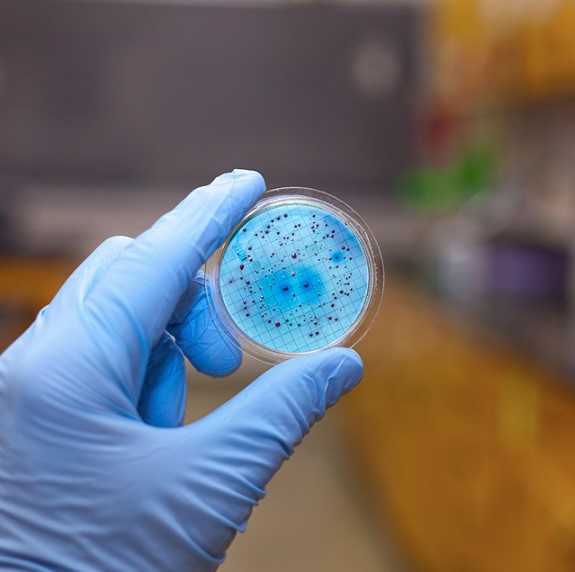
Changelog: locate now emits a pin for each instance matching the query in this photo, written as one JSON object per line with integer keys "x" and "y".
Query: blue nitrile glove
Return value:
{"x": 96, "y": 473}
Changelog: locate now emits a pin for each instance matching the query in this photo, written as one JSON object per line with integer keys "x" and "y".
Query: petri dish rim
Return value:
{"x": 371, "y": 251}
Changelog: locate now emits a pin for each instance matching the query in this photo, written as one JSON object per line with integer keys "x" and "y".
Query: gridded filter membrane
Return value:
{"x": 297, "y": 275}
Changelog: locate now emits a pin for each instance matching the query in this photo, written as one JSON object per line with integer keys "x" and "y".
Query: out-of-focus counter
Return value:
{"x": 468, "y": 443}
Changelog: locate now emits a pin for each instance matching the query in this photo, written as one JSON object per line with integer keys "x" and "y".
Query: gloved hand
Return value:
{"x": 96, "y": 471}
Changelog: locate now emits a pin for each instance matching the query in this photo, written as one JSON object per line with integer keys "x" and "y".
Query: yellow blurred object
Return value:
{"x": 468, "y": 443}
{"x": 27, "y": 285}
{"x": 486, "y": 50}
{"x": 550, "y": 53}
{"x": 461, "y": 53}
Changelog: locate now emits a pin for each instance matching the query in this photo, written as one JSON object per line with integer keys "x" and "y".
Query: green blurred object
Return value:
{"x": 446, "y": 188}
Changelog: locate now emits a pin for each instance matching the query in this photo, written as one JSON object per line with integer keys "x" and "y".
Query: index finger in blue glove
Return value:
{"x": 133, "y": 302}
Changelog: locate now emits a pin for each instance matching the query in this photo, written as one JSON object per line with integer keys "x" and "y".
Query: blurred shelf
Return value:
{"x": 519, "y": 293}
{"x": 541, "y": 327}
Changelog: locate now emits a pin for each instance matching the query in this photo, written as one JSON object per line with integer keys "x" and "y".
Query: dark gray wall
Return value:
{"x": 160, "y": 94}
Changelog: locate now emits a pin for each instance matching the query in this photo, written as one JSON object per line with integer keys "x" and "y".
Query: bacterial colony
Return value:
{"x": 294, "y": 277}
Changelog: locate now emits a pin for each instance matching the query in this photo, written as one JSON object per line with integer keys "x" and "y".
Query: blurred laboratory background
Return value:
{"x": 449, "y": 125}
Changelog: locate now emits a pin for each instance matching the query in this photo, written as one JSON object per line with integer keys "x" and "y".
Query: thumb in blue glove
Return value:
{"x": 96, "y": 471}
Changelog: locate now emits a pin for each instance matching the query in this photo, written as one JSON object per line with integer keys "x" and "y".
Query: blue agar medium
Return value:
{"x": 294, "y": 277}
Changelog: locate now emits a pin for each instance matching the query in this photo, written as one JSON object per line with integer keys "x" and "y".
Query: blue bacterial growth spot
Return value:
{"x": 305, "y": 281}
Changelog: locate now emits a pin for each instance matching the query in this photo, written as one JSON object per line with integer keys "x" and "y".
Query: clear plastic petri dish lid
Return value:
{"x": 300, "y": 273}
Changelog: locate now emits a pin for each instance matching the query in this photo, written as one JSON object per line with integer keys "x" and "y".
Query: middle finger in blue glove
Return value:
{"x": 198, "y": 335}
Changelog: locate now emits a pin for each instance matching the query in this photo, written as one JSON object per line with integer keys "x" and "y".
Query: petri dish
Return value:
{"x": 300, "y": 273}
